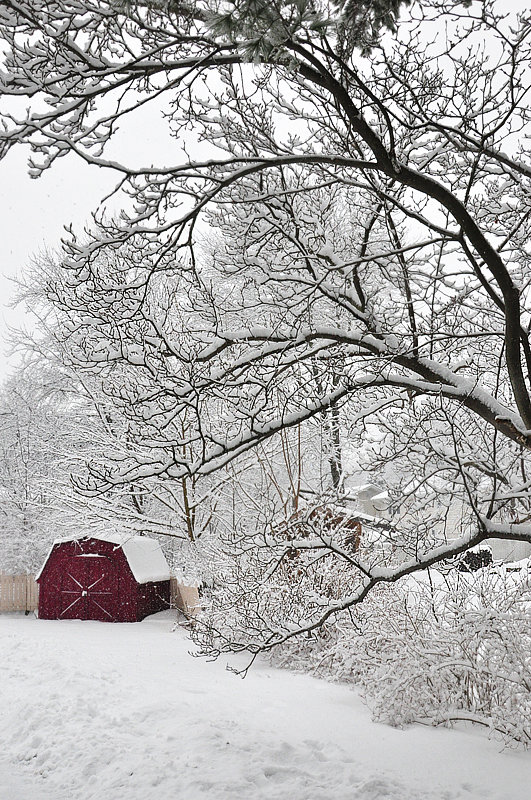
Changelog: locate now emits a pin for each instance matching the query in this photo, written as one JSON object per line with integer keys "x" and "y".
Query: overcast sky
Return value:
{"x": 32, "y": 216}
{"x": 34, "y": 212}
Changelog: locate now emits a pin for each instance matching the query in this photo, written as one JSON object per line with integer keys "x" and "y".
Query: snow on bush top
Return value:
{"x": 144, "y": 555}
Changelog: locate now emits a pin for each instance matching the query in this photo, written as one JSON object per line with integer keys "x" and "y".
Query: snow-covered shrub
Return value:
{"x": 459, "y": 651}
{"x": 435, "y": 649}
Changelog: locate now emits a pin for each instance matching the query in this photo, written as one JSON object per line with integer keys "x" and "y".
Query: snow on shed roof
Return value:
{"x": 144, "y": 555}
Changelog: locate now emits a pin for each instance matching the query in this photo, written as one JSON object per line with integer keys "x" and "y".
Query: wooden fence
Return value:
{"x": 18, "y": 593}
{"x": 21, "y": 593}
{"x": 185, "y": 598}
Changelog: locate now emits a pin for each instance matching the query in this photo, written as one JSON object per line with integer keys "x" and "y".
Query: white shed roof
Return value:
{"x": 144, "y": 555}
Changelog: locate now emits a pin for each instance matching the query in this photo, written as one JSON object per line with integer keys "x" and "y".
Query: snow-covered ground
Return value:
{"x": 123, "y": 712}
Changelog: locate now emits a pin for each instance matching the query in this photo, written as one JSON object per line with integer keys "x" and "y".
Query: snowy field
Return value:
{"x": 123, "y": 712}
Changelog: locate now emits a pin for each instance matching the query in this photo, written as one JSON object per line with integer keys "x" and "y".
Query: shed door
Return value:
{"x": 88, "y": 588}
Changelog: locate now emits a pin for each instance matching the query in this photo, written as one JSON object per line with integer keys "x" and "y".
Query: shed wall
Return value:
{"x": 152, "y": 597}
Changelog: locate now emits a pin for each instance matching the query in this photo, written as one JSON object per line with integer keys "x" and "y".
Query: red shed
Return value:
{"x": 105, "y": 578}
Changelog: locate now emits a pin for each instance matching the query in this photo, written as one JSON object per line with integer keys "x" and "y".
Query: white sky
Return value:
{"x": 34, "y": 212}
{"x": 32, "y": 216}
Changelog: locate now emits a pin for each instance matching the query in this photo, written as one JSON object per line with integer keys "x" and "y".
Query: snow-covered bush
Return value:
{"x": 458, "y": 651}
{"x": 435, "y": 649}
